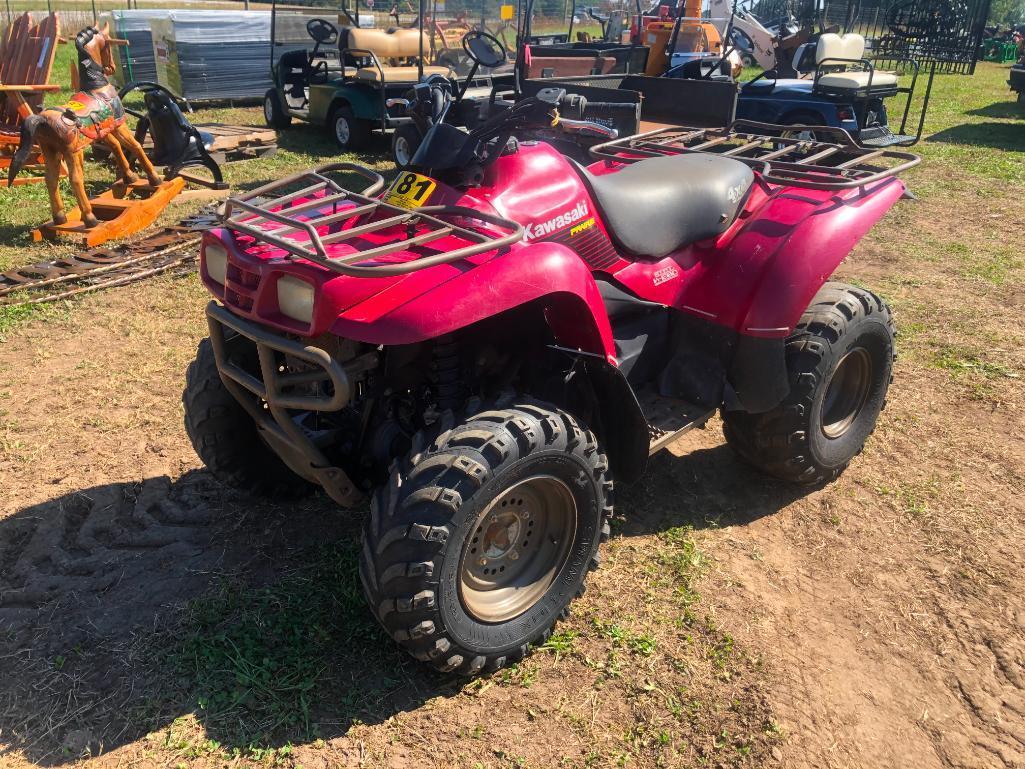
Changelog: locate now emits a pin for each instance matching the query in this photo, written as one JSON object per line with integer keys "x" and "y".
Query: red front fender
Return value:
{"x": 416, "y": 310}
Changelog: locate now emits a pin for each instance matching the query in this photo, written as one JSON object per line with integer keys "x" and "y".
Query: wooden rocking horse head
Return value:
{"x": 95, "y": 48}
{"x": 94, "y": 114}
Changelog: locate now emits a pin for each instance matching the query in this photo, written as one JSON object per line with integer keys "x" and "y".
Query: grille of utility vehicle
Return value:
{"x": 788, "y": 161}
{"x": 365, "y": 232}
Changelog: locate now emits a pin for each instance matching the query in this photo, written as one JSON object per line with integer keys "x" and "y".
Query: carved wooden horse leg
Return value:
{"x": 76, "y": 175}
{"x": 53, "y": 160}
{"x": 123, "y": 166}
{"x": 126, "y": 138}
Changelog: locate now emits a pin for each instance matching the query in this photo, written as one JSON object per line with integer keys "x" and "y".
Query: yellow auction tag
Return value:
{"x": 410, "y": 190}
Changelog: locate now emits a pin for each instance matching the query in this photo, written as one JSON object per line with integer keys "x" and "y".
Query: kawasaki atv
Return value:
{"x": 483, "y": 348}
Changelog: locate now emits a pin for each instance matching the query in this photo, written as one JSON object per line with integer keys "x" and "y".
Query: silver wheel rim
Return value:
{"x": 403, "y": 152}
{"x": 268, "y": 110}
{"x": 847, "y": 392}
{"x": 516, "y": 549}
{"x": 803, "y": 136}
{"x": 342, "y": 131}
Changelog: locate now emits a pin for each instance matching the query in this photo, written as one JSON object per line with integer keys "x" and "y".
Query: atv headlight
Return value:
{"x": 215, "y": 257}
{"x": 295, "y": 298}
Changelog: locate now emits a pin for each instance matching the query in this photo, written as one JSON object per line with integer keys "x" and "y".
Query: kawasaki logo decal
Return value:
{"x": 565, "y": 219}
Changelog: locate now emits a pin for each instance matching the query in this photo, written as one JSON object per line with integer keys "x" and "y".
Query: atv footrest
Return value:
{"x": 669, "y": 418}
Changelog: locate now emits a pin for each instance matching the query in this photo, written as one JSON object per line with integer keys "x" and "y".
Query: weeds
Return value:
{"x": 960, "y": 361}
{"x": 255, "y": 657}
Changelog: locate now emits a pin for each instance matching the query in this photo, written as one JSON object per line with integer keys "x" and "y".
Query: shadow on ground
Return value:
{"x": 1002, "y": 136}
{"x": 126, "y": 606}
{"x": 1007, "y": 110}
{"x": 316, "y": 140}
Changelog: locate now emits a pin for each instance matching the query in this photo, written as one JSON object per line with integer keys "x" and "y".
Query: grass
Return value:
{"x": 255, "y": 658}
{"x": 959, "y": 362}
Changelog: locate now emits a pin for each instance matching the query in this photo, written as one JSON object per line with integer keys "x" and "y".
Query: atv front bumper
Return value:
{"x": 270, "y": 397}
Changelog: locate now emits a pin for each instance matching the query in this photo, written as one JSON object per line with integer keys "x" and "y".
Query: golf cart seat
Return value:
{"x": 655, "y": 206}
{"x": 858, "y": 80}
{"x": 397, "y": 74}
{"x": 834, "y": 56}
{"x": 386, "y": 56}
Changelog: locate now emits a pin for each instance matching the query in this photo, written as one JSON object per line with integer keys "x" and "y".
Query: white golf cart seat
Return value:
{"x": 840, "y": 51}
{"x": 393, "y": 49}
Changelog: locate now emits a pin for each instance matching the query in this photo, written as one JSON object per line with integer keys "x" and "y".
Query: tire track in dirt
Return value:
{"x": 84, "y": 543}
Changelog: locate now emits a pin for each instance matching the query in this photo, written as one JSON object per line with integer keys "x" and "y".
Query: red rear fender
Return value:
{"x": 810, "y": 254}
{"x": 406, "y": 312}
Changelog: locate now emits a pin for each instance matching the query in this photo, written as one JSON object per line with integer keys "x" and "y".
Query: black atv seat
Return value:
{"x": 658, "y": 205}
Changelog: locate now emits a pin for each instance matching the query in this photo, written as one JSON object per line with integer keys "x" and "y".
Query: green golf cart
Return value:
{"x": 346, "y": 74}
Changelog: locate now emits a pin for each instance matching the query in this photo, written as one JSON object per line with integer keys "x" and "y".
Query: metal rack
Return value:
{"x": 790, "y": 162}
{"x": 322, "y": 213}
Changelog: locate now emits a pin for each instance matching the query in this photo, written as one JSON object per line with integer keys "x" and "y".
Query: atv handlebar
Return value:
{"x": 445, "y": 148}
{"x": 577, "y": 107}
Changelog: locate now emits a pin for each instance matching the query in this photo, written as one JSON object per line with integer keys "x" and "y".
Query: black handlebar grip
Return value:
{"x": 609, "y": 108}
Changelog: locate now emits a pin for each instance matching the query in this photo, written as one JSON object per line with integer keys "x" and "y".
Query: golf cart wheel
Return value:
{"x": 274, "y": 111}
{"x": 797, "y": 126}
{"x": 349, "y": 132}
{"x": 485, "y": 533}
{"x": 226, "y": 439}
{"x": 840, "y": 363}
{"x": 404, "y": 144}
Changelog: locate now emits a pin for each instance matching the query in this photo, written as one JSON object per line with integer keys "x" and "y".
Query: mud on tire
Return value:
{"x": 424, "y": 521}
{"x": 225, "y": 438}
{"x": 804, "y": 440}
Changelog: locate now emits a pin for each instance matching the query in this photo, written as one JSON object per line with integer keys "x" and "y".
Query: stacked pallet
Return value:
{"x": 204, "y": 55}
{"x": 135, "y": 62}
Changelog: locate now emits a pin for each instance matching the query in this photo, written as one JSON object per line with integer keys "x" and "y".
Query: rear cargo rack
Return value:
{"x": 791, "y": 162}
{"x": 322, "y": 213}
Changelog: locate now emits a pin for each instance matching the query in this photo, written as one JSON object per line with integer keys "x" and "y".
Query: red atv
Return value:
{"x": 483, "y": 348}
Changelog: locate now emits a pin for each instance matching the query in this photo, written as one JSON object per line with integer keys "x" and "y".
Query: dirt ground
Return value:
{"x": 150, "y": 618}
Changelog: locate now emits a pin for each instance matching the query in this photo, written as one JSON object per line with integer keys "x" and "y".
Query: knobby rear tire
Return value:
{"x": 423, "y": 516}
{"x": 790, "y": 441}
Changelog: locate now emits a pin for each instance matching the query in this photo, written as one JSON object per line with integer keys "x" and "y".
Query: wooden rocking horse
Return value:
{"x": 94, "y": 114}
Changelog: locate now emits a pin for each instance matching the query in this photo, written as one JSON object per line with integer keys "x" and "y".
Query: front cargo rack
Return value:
{"x": 322, "y": 213}
{"x": 785, "y": 160}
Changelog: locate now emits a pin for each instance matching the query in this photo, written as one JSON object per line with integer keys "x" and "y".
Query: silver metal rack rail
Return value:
{"x": 787, "y": 161}
{"x": 292, "y": 222}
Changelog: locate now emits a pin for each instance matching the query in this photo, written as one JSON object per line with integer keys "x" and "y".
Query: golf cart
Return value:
{"x": 832, "y": 81}
{"x": 448, "y": 31}
{"x": 574, "y": 53}
{"x": 344, "y": 80}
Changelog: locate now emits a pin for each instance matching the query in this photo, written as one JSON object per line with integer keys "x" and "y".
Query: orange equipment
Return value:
{"x": 695, "y": 35}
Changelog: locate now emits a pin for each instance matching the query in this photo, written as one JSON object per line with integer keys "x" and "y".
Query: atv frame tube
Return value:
{"x": 278, "y": 427}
